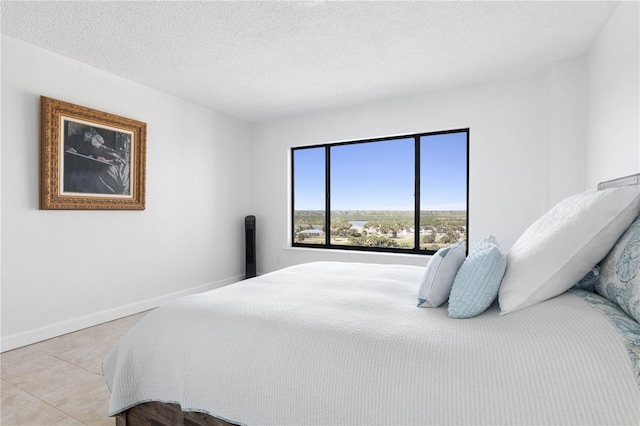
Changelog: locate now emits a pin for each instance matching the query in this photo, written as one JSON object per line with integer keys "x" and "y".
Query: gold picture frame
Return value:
{"x": 89, "y": 159}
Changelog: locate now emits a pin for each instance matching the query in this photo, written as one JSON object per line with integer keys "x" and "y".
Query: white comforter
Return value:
{"x": 342, "y": 343}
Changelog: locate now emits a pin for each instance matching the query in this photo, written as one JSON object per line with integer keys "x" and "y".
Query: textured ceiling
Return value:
{"x": 261, "y": 60}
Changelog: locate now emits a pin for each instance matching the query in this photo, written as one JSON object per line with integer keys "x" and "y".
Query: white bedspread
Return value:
{"x": 342, "y": 343}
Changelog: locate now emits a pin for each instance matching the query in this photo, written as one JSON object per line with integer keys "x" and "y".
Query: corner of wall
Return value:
{"x": 613, "y": 127}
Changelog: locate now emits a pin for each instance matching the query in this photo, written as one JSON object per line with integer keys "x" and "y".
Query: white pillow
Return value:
{"x": 439, "y": 275}
{"x": 563, "y": 245}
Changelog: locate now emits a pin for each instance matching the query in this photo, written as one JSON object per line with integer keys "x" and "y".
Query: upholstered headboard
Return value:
{"x": 623, "y": 181}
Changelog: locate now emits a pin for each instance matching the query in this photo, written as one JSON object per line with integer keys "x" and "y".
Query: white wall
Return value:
{"x": 567, "y": 112}
{"x": 64, "y": 270}
{"x": 613, "y": 131}
{"x": 518, "y": 155}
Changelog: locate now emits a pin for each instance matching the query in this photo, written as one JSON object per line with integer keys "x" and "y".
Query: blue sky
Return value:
{"x": 379, "y": 176}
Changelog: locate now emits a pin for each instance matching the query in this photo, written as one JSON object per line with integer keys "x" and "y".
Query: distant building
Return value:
{"x": 312, "y": 232}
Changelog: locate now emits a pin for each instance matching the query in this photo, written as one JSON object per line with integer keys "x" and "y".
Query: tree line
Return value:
{"x": 442, "y": 227}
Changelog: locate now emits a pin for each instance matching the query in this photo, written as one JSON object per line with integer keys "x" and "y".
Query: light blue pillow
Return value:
{"x": 619, "y": 279}
{"x": 438, "y": 276}
{"x": 477, "y": 282}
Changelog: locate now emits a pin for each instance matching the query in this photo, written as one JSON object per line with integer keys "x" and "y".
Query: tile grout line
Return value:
{"x": 61, "y": 355}
{"x": 71, "y": 363}
{"x": 43, "y": 401}
{"x": 46, "y": 402}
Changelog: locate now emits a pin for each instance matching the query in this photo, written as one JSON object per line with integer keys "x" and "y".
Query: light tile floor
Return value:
{"x": 59, "y": 381}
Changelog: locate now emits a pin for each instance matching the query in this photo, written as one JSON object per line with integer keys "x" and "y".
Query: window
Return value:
{"x": 404, "y": 194}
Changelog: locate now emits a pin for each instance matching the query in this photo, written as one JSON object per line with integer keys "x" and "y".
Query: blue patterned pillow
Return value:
{"x": 477, "y": 283}
{"x": 620, "y": 272}
{"x": 438, "y": 276}
{"x": 589, "y": 281}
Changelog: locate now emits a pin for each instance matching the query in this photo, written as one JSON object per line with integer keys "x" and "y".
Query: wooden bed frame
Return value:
{"x": 163, "y": 414}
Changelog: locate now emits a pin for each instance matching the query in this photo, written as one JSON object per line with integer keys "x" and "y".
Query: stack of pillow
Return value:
{"x": 563, "y": 247}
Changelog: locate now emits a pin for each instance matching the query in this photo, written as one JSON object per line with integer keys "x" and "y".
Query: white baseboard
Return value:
{"x": 74, "y": 324}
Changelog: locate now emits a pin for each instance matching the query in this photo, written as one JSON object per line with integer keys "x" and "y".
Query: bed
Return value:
{"x": 328, "y": 343}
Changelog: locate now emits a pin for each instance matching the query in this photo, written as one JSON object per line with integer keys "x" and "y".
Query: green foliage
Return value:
{"x": 373, "y": 241}
{"x": 305, "y": 219}
{"x": 429, "y": 238}
{"x": 383, "y": 227}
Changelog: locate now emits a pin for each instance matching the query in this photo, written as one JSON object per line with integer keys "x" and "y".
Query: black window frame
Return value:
{"x": 327, "y": 216}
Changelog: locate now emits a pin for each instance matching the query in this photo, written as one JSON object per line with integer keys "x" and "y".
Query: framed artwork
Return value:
{"x": 90, "y": 160}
